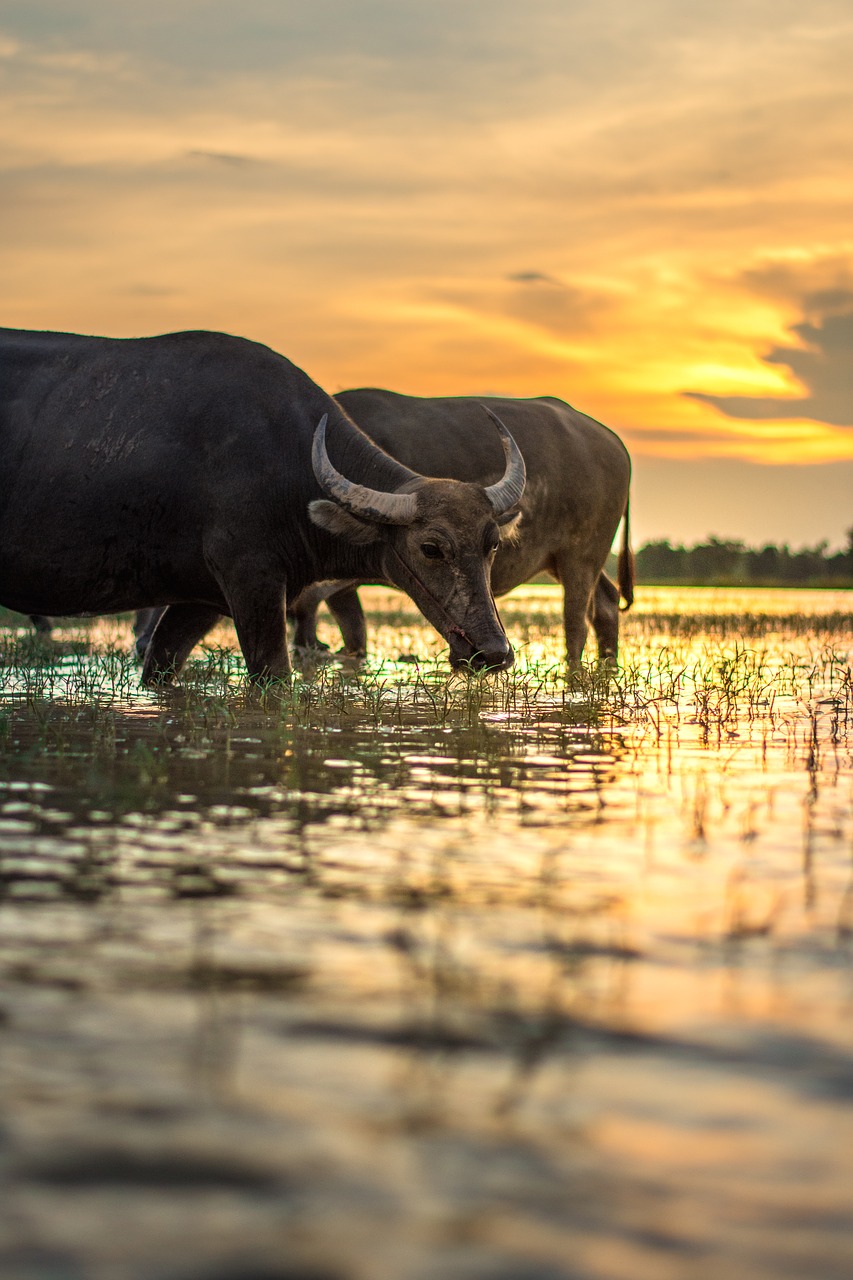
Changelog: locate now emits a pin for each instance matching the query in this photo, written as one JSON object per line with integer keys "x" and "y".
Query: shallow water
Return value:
{"x": 413, "y": 976}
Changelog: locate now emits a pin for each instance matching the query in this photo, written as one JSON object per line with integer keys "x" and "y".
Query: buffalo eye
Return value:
{"x": 431, "y": 550}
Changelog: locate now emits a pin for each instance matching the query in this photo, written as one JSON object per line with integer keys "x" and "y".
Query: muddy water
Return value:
{"x": 425, "y": 978}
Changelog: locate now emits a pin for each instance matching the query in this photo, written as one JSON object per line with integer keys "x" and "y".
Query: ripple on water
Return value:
{"x": 488, "y": 974}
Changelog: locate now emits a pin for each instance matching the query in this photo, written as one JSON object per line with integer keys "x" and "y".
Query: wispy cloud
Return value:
{"x": 532, "y": 277}
{"x": 228, "y": 158}
{"x": 823, "y": 363}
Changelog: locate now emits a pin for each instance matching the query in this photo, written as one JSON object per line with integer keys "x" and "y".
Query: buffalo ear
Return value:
{"x": 332, "y": 518}
{"x": 509, "y": 526}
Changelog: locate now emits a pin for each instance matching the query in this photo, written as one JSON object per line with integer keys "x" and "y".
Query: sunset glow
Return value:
{"x": 645, "y": 212}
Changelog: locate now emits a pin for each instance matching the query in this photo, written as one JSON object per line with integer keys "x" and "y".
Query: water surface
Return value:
{"x": 410, "y": 975}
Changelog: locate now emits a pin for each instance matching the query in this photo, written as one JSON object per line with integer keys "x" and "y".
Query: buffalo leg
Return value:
{"x": 345, "y": 608}
{"x": 143, "y": 628}
{"x": 259, "y": 620}
{"x": 605, "y": 618}
{"x": 578, "y": 582}
{"x": 175, "y": 636}
{"x": 303, "y": 613}
{"x": 42, "y": 624}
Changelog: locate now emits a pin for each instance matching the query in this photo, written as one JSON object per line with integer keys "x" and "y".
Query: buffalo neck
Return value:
{"x": 337, "y": 557}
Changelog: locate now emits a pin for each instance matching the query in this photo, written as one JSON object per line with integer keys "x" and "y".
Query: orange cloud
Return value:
{"x": 643, "y": 220}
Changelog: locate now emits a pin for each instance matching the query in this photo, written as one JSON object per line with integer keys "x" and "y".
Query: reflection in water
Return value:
{"x": 407, "y": 975}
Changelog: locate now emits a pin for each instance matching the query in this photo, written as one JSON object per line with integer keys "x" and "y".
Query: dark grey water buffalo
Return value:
{"x": 578, "y": 478}
{"x": 192, "y": 470}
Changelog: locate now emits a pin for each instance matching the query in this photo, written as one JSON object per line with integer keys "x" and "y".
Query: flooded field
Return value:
{"x": 411, "y": 976}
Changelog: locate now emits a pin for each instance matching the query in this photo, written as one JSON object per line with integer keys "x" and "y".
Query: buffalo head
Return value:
{"x": 438, "y": 539}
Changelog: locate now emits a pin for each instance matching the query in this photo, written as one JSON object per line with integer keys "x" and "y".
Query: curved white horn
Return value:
{"x": 507, "y": 491}
{"x": 369, "y": 504}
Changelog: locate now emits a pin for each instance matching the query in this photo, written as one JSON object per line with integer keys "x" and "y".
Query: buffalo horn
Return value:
{"x": 369, "y": 504}
{"x": 506, "y": 492}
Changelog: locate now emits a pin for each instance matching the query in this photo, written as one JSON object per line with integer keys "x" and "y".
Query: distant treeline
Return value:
{"x": 723, "y": 563}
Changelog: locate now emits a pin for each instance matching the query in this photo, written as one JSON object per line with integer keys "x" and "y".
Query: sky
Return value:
{"x": 644, "y": 209}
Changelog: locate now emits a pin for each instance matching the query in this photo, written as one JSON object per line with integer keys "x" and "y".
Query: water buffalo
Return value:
{"x": 192, "y": 470}
{"x": 578, "y": 477}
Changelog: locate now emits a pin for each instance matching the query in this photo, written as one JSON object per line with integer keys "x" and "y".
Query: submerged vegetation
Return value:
{"x": 489, "y": 972}
{"x": 400, "y": 736}
{"x": 670, "y": 660}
